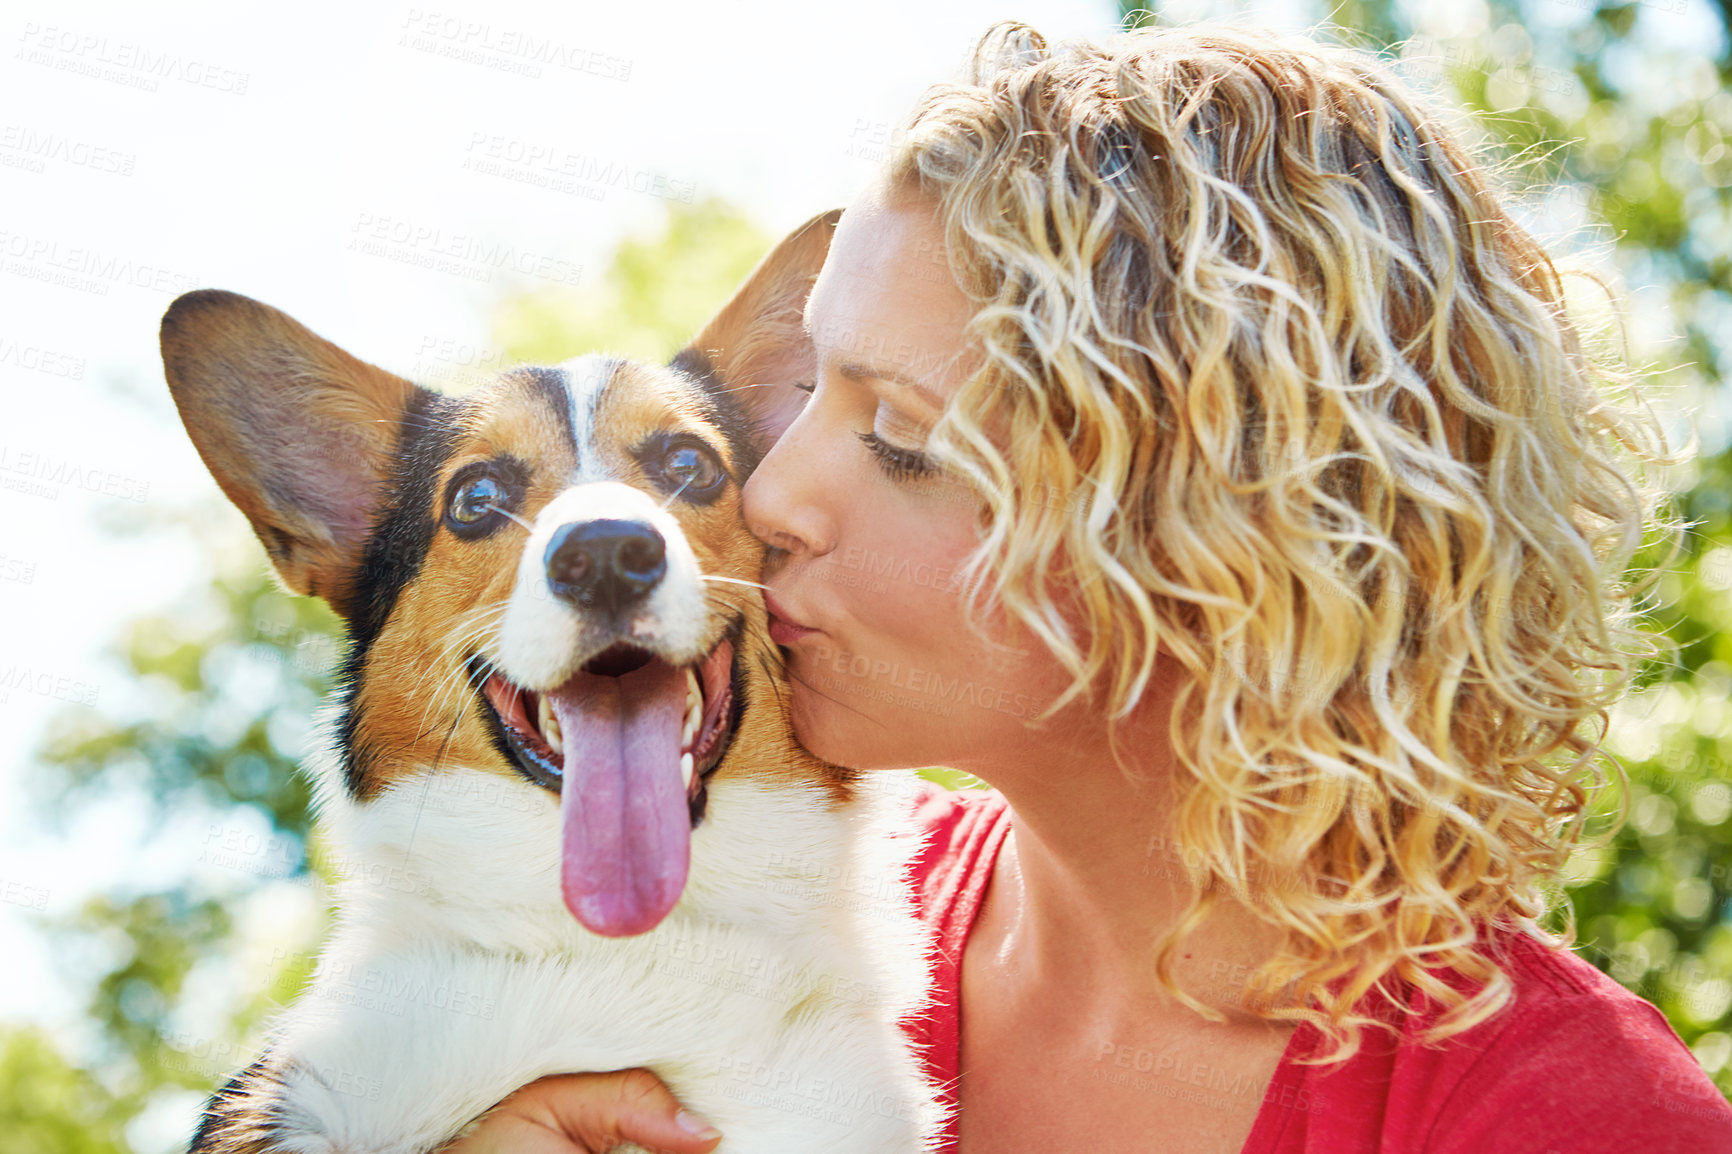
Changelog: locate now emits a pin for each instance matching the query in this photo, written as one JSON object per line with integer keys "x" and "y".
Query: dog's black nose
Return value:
{"x": 605, "y": 564}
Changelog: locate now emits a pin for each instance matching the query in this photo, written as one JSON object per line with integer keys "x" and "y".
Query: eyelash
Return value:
{"x": 901, "y": 464}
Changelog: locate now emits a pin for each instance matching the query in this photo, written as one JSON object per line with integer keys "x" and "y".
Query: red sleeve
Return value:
{"x": 963, "y": 830}
{"x": 1594, "y": 1071}
{"x": 1577, "y": 1065}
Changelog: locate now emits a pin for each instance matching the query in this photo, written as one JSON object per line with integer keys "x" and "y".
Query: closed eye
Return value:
{"x": 901, "y": 464}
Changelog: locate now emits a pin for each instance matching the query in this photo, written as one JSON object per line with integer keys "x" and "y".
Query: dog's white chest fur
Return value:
{"x": 768, "y": 1001}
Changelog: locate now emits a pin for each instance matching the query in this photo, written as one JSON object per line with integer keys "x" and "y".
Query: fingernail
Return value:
{"x": 697, "y": 1127}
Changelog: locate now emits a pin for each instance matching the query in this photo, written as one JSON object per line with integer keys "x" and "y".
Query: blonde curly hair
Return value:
{"x": 1279, "y": 389}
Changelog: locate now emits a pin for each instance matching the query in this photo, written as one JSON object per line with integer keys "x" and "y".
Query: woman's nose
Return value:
{"x": 788, "y": 499}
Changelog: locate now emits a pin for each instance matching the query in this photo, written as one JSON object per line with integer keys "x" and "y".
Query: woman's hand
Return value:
{"x": 588, "y": 1114}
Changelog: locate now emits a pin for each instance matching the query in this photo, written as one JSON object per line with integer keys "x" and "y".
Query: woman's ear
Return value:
{"x": 756, "y": 349}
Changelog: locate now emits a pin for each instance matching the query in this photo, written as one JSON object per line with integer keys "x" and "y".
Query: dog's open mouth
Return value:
{"x": 628, "y": 742}
{"x": 536, "y": 738}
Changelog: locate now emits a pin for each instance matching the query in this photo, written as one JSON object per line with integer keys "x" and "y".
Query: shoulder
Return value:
{"x": 943, "y": 814}
{"x": 954, "y": 825}
{"x": 960, "y": 831}
{"x": 1577, "y": 1060}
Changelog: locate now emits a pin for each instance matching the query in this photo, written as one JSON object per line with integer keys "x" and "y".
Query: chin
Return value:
{"x": 818, "y": 728}
{"x": 845, "y": 736}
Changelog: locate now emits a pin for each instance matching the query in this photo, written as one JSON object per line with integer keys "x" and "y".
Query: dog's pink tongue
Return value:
{"x": 627, "y": 827}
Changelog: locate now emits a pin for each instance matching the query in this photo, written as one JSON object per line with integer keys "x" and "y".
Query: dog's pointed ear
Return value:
{"x": 756, "y": 347}
{"x": 298, "y": 433}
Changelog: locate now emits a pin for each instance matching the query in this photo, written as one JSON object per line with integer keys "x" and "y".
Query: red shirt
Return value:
{"x": 1575, "y": 1064}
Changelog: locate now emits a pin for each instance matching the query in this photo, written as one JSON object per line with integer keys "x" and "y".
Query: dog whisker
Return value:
{"x": 733, "y": 581}
{"x": 527, "y": 876}
{"x": 435, "y": 706}
{"x": 526, "y": 526}
{"x": 676, "y": 493}
{"x": 471, "y": 629}
{"x": 472, "y": 626}
{"x": 460, "y": 675}
{"x": 456, "y": 718}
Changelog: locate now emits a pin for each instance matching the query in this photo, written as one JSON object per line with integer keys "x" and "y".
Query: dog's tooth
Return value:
{"x": 549, "y": 723}
{"x": 694, "y": 708}
{"x": 686, "y": 768}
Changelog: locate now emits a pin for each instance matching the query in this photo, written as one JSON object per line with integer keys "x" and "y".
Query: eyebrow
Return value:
{"x": 858, "y": 372}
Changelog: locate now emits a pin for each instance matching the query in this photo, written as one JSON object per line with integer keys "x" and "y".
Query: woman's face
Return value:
{"x": 886, "y": 674}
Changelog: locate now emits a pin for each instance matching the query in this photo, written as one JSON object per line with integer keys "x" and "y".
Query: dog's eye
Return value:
{"x": 479, "y": 498}
{"x": 476, "y": 500}
{"x": 693, "y": 471}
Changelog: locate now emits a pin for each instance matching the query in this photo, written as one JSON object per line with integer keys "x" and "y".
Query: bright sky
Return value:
{"x": 366, "y": 167}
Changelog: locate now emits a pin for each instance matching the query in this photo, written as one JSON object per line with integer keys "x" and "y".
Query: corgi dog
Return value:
{"x": 573, "y": 829}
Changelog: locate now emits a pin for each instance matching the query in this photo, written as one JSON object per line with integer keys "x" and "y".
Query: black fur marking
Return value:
{"x": 214, "y": 1120}
{"x": 553, "y": 388}
{"x": 723, "y": 409}
{"x": 395, "y": 550}
{"x": 736, "y": 718}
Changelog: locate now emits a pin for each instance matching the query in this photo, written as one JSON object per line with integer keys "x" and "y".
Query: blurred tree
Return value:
{"x": 224, "y": 686}
{"x": 48, "y": 1106}
{"x": 655, "y": 295}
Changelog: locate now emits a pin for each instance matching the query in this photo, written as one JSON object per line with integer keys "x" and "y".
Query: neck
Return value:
{"x": 1090, "y": 878}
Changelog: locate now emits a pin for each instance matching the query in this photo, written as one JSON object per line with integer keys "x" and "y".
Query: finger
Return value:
{"x": 636, "y": 1107}
{"x": 509, "y": 1133}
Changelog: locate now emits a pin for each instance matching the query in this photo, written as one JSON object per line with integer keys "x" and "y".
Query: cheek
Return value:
{"x": 899, "y": 684}
{"x": 902, "y": 567}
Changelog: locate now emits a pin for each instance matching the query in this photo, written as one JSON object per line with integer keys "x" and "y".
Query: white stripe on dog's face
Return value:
{"x": 585, "y": 378}
{"x": 544, "y": 639}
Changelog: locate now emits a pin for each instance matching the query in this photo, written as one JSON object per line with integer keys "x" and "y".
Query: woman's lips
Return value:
{"x": 783, "y": 630}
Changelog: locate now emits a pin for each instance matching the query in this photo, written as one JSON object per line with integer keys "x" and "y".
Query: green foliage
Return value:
{"x": 1651, "y": 907}
{"x": 48, "y": 1106}
{"x": 657, "y": 292}
{"x": 229, "y": 679}
{"x": 223, "y": 688}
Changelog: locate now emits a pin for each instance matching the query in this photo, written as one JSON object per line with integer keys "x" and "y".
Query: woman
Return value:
{"x": 1219, "y": 401}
